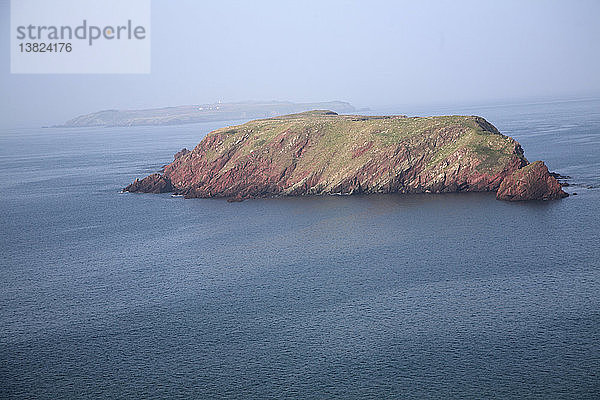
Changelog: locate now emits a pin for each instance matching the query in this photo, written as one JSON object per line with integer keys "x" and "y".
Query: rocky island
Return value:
{"x": 321, "y": 152}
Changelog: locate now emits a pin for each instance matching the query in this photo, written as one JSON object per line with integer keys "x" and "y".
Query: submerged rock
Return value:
{"x": 532, "y": 182}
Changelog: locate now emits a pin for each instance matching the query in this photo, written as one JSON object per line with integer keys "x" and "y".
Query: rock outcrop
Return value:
{"x": 154, "y": 183}
{"x": 532, "y": 182}
{"x": 181, "y": 153}
{"x": 320, "y": 152}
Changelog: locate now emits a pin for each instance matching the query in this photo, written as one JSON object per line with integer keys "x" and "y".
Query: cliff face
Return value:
{"x": 320, "y": 152}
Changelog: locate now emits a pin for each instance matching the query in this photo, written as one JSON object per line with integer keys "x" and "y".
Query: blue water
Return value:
{"x": 108, "y": 295}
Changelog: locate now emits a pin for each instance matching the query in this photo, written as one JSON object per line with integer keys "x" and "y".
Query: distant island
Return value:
{"x": 200, "y": 113}
{"x": 321, "y": 152}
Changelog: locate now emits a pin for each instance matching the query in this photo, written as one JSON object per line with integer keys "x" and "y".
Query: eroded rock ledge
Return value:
{"x": 320, "y": 152}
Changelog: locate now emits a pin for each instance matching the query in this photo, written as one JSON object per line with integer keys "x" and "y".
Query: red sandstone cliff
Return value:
{"x": 532, "y": 182}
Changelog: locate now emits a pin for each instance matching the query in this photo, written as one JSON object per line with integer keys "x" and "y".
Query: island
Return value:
{"x": 321, "y": 152}
{"x": 190, "y": 114}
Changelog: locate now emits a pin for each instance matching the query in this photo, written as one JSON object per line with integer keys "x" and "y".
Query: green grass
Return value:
{"x": 335, "y": 137}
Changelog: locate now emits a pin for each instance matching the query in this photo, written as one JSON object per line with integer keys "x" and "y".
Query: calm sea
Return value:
{"x": 108, "y": 295}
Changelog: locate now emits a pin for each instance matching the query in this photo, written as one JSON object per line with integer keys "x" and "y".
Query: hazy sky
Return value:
{"x": 370, "y": 53}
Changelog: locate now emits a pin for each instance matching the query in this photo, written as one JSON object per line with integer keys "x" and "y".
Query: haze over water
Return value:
{"x": 390, "y": 296}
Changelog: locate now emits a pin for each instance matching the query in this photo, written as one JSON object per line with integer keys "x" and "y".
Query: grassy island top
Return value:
{"x": 334, "y": 139}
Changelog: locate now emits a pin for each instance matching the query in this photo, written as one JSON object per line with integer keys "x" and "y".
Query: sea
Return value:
{"x": 435, "y": 296}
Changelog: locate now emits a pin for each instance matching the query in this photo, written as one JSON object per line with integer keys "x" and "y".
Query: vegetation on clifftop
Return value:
{"x": 339, "y": 134}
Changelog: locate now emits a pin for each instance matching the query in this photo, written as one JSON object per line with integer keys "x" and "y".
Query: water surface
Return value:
{"x": 424, "y": 296}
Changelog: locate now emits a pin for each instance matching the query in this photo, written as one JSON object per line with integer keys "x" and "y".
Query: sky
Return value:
{"x": 369, "y": 53}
